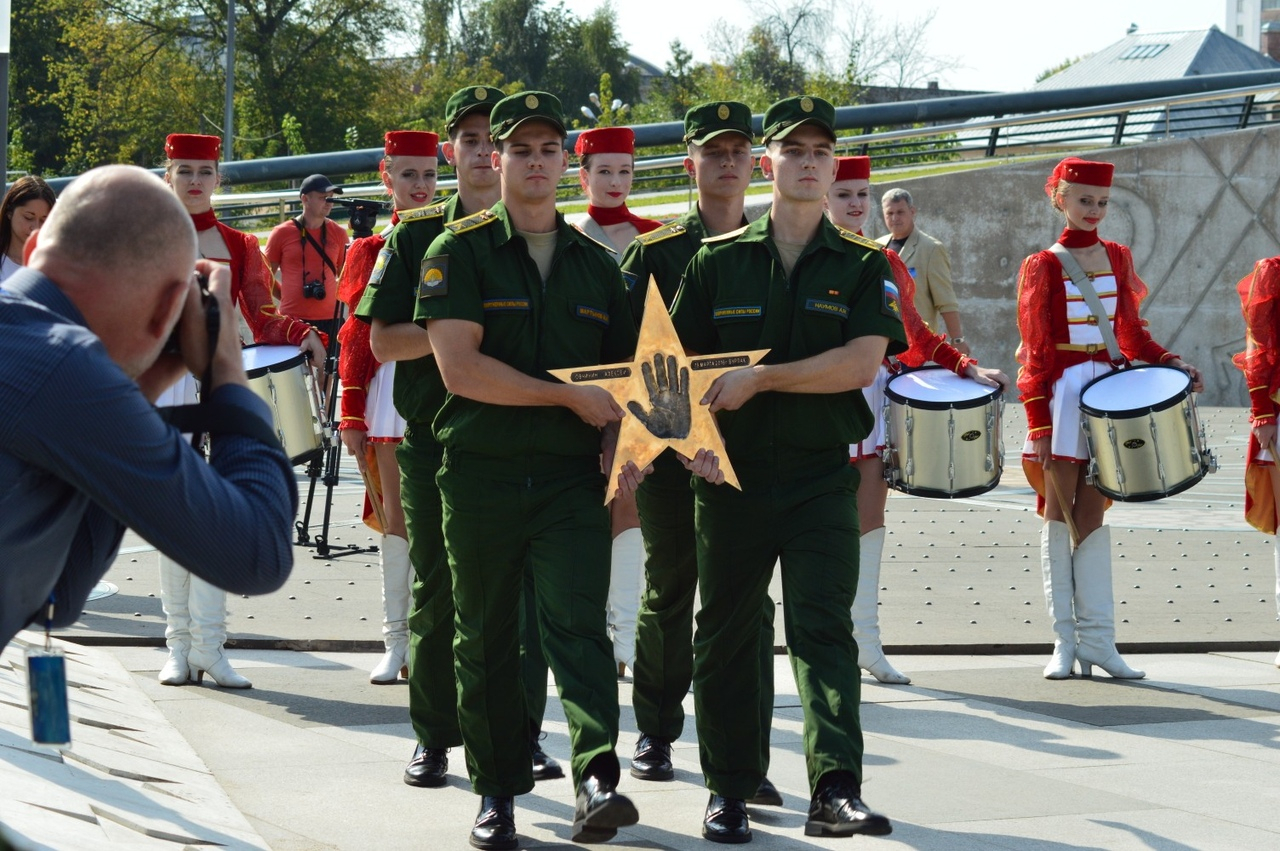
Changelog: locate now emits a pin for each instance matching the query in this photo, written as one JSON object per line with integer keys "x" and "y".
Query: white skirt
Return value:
{"x": 873, "y": 443}
{"x": 380, "y": 416}
{"x": 1068, "y": 435}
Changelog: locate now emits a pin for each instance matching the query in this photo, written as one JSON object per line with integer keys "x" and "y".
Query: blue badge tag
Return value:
{"x": 47, "y": 681}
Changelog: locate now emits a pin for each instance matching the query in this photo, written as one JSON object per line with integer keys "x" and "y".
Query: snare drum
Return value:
{"x": 1144, "y": 435}
{"x": 942, "y": 434}
{"x": 281, "y": 378}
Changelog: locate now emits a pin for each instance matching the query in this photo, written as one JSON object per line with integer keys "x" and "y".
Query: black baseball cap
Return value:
{"x": 317, "y": 183}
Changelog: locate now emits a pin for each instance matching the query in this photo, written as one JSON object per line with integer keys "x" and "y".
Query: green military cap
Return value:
{"x": 789, "y": 113}
{"x": 708, "y": 120}
{"x": 468, "y": 100}
{"x": 511, "y": 112}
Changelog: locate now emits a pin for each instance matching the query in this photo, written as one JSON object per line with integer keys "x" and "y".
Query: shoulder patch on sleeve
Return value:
{"x": 380, "y": 266}
{"x": 593, "y": 240}
{"x": 417, "y": 214}
{"x": 475, "y": 220}
{"x": 725, "y": 237}
{"x": 662, "y": 233}
{"x": 433, "y": 276}
{"x": 630, "y": 278}
{"x": 859, "y": 239}
{"x": 891, "y": 304}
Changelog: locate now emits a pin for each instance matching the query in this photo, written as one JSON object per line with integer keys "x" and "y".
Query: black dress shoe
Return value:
{"x": 544, "y": 767}
{"x": 726, "y": 821}
{"x": 837, "y": 810}
{"x": 600, "y": 811}
{"x": 429, "y": 767}
{"x": 495, "y": 827}
{"x": 652, "y": 760}
{"x": 767, "y": 795}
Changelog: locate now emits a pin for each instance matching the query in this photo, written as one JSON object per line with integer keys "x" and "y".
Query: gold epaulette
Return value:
{"x": 658, "y": 235}
{"x": 724, "y": 237}
{"x": 582, "y": 233}
{"x": 475, "y": 220}
{"x": 859, "y": 239}
{"x": 417, "y": 214}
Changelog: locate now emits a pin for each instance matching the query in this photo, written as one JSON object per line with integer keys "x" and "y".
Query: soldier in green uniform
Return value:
{"x": 507, "y": 295}
{"x": 418, "y": 394}
{"x": 822, "y": 301}
{"x": 719, "y": 137}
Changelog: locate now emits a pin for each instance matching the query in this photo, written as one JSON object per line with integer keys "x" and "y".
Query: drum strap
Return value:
{"x": 1085, "y": 285}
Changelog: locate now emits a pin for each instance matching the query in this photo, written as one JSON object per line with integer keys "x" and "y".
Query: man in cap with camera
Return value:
{"x": 824, "y": 303}
{"x": 83, "y": 452}
{"x": 306, "y": 253}
{"x": 507, "y": 294}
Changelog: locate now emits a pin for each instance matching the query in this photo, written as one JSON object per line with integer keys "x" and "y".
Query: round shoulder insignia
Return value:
{"x": 723, "y": 112}
{"x": 806, "y": 104}
{"x": 531, "y": 102}
{"x": 481, "y": 94}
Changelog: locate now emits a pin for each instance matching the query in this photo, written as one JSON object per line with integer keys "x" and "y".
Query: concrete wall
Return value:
{"x": 1196, "y": 213}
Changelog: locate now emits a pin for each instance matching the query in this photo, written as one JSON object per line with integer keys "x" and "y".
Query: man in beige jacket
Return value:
{"x": 926, "y": 258}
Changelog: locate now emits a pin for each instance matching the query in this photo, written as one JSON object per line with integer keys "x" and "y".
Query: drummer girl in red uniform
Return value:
{"x": 606, "y": 157}
{"x": 848, "y": 203}
{"x": 369, "y": 418}
{"x": 1259, "y": 292}
{"x": 195, "y": 611}
{"x": 1062, "y": 350}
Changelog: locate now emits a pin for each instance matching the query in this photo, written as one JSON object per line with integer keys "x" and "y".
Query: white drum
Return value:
{"x": 281, "y": 378}
{"x": 942, "y": 434}
{"x": 1144, "y": 434}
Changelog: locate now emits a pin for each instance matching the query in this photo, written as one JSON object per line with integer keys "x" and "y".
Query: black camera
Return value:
{"x": 208, "y": 304}
{"x": 364, "y": 214}
{"x": 313, "y": 289}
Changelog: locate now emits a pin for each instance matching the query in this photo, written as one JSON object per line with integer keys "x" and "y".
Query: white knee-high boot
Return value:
{"x": 175, "y": 586}
{"x": 208, "y": 634}
{"x": 625, "y": 574}
{"x": 1096, "y": 609}
{"x": 397, "y": 580}
{"x": 866, "y": 614}
{"x": 1055, "y": 564}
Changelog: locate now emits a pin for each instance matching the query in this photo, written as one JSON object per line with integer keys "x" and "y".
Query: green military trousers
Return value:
{"x": 498, "y": 514}
{"x": 664, "y": 626}
{"x": 805, "y": 512}
{"x": 433, "y": 693}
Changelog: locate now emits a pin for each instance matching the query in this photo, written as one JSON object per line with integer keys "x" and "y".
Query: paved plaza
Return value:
{"x": 979, "y": 752}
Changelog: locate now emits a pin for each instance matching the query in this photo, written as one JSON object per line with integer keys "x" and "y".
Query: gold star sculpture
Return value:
{"x": 661, "y": 391}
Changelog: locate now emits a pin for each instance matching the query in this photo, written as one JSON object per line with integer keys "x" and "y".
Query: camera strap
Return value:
{"x": 304, "y": 236}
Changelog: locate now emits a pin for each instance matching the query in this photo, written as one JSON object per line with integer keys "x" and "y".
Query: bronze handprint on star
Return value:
{"x": 658, "y": 389}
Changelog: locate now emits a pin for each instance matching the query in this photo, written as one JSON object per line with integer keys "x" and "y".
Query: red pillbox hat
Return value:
{"x": 853, "y": 168}
{"x": 606, "y": 140}
{"x": 1076, "y": 170}
{"x": 192, "y": 146}
{"x": 411, "y": 143}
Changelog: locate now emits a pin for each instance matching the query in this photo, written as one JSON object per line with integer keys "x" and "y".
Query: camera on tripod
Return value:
{"x": 313, "y": 289}
{"x": 364, "y": 216}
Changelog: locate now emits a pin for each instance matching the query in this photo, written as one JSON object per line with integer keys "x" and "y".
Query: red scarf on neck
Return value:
{"x": 204, "y": 221}
{"x": 1072, "y": 238}
{"x": 605, "y": 216}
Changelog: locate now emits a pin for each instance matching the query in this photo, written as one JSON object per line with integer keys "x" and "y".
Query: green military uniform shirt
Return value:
{"x": 663, "y": 253}
{"x": 480, "y": 270}
{"x": 391, "y": 295}
{"x": 736, "y": 296}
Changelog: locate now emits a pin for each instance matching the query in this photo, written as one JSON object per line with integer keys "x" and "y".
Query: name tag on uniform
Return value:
{"x": 433, "y": 278}
{"x": 594, "y": 314}
{"x": 891, "y": 305}
{"x": 505, "y": 305}
{"x": 912, "y": 271}
{"x": 828, "y": 308}
{"x": 384, "y": 257}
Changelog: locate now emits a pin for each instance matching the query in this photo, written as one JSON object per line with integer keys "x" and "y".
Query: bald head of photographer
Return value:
{"x": 83, "y": 452}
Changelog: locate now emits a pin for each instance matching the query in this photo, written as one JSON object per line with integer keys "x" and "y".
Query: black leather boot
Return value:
{"x": 495, "y": 827}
